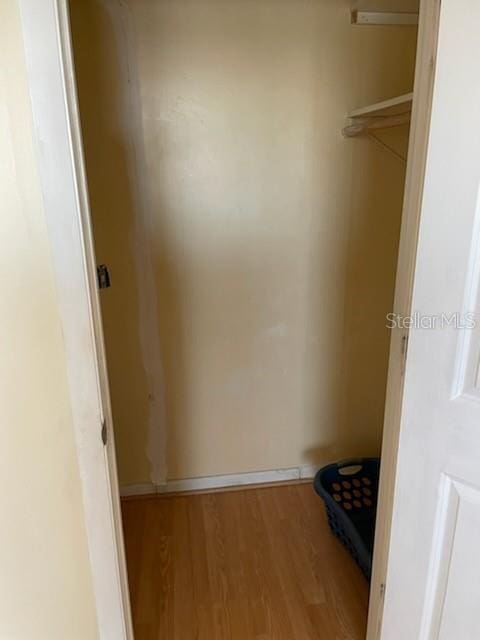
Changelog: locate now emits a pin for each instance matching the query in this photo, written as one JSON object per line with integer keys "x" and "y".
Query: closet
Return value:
{"x": 246, "y": 165}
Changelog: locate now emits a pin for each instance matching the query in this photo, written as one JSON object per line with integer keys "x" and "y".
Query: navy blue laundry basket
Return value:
{"x": 349, "y": 490}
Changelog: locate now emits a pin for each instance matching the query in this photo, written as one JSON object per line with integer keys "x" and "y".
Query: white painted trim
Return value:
{"x": 46, "y": 36}
{"x": 417, "y": 153}
{"x": 217, "y": 482}
{"x": 309, "y": 470}
{"x": 138, "y": 489}
{"x": 391, "y": 107}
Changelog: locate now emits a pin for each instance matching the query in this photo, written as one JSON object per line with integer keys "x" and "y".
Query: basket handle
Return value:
{"x": 350, "y": 467}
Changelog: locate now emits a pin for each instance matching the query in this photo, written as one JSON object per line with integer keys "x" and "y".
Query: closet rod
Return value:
{"x": 360, "y": 127}
{"x": 384, "y": 18}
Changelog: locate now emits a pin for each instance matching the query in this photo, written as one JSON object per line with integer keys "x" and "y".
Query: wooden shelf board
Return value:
{"x": 391, "y": 107}
{"x": 395, "y": 6}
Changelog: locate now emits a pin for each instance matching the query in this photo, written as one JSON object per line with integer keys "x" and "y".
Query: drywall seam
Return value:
{"x": 156, "y": 448}
{"x": 216, "y": 482}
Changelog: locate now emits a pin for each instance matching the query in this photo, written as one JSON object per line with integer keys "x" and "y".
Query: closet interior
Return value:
{"x": 246, "y": 165}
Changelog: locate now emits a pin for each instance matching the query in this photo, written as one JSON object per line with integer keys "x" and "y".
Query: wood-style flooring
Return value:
{"x": 254, "y": 564}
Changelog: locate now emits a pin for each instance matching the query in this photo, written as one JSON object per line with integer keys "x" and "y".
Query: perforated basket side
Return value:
{"x": 340, "y": 523}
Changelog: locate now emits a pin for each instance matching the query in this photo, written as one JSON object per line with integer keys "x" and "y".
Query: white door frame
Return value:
{"x": 47, "y": 40}
{"x": 417, "y": 154}
{"x": 46, "y": 35}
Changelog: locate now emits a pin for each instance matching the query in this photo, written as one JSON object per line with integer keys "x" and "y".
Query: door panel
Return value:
{"x": 432, "y": 588}
{"x": 57, "y": 133}
{"x": 456, "y": 563}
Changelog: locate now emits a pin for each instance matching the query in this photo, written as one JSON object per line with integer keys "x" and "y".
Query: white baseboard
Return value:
{"x": 309, "y": 470}
{"x": 141, "y": 489}
{"x": 217, "y": 482}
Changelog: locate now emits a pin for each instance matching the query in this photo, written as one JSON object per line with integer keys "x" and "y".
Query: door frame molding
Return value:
{"x": 429, "y": 24}
{"x": 47, "y": 40}
{"x": 57, "y": 134}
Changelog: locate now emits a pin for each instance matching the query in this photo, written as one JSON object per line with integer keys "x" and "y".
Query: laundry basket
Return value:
{"x": 349, "y": 490}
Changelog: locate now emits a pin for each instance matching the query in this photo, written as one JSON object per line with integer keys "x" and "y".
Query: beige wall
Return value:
{"x": 273, "y": 239}
{"x": 45, "y": 582}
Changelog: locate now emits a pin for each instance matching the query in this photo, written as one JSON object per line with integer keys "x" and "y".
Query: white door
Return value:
{"x": 46, "y": 35}
{"x": 433, "y": 576}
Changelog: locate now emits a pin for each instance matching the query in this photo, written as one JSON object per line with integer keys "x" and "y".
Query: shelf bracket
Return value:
{"x": 386, "y": 147}
{"x": 367, "y": 120}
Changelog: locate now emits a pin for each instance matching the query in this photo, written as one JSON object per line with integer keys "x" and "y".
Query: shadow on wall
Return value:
{"x": 111, "y": 162}
{"x": 241, "y": 196}
{"x": 377, "y": 199}
{"x": 273, "y": 270}
{"x": 381, "y": 65}
{"x": 374, "y": 180}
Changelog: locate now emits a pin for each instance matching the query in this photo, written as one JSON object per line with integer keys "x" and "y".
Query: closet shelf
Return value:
{"x": 388, "y": 113}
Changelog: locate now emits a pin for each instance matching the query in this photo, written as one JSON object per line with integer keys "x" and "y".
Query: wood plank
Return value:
{"x": 391, "y": 107}
{"x": 201, "y": 616}
{"x": 255, "y": 564}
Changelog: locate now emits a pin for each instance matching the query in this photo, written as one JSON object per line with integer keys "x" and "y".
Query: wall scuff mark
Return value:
{"x": 149, "y": 339}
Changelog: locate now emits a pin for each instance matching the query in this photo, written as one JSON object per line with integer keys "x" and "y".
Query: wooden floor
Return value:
{"x": 240, "y": 565}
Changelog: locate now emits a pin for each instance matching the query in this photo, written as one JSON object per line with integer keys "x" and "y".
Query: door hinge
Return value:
{"x": 104, "y": 432}
{"x": 404, "y": 348}
{"x": 382, "y": 590}
{"x": 103, "y": 276}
